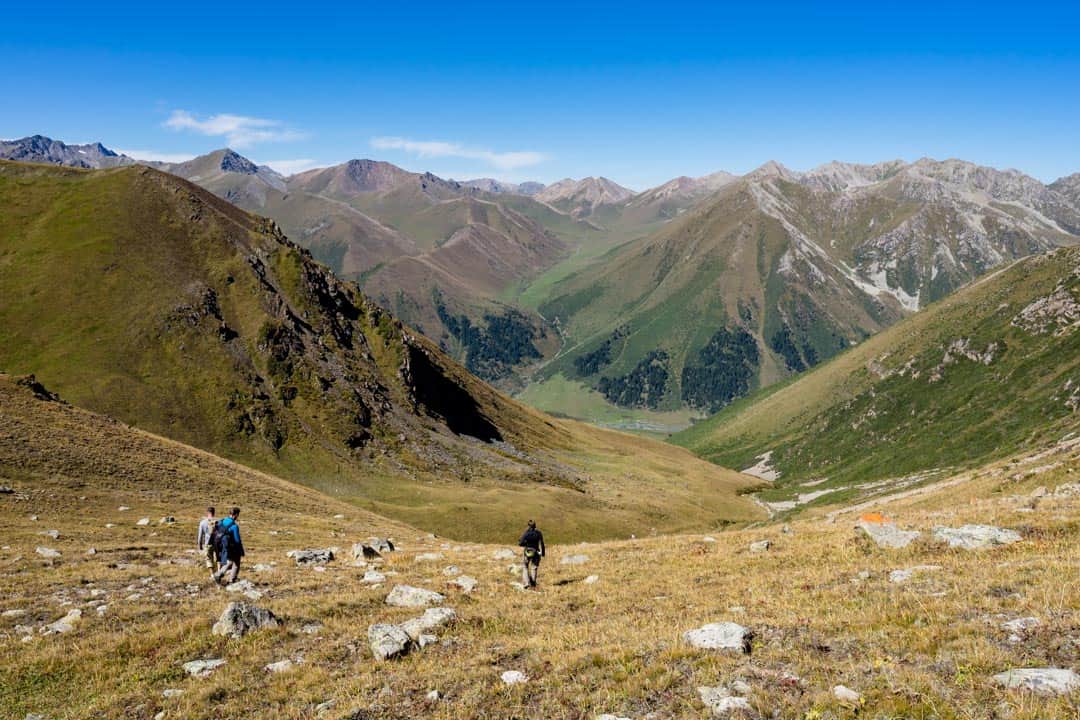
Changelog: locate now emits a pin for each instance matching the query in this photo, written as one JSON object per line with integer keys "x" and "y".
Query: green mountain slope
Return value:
{"x": 986, "y": 372}
{"x": 778, "y": 271}
{"x": 139, "y": 295}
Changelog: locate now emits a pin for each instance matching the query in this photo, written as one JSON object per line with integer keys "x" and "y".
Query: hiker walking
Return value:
{"x": 230, "y": 548}
{"x": 206, "y": 547}
{"x": 533, "y": 543}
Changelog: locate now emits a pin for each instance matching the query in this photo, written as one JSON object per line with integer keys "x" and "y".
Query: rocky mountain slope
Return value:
{"x": 491, "y": 185}
{"x": 991, "y": 370}
{"x": 101, "y": 616}
{"x": 582, "y": 198}
{"x": 144, "y": 297}
{"x": 778, "y": 271}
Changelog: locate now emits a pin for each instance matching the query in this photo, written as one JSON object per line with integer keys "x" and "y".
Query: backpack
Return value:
{"x": 221, "y": 539}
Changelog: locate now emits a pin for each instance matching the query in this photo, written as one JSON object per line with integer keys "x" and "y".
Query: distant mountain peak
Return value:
{"x": 42, "y": 149}
{"x": 232, "y": 161}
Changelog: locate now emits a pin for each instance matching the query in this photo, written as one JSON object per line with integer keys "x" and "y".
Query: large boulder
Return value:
{"x": 409, "y": 596}
{"x": 432, "y": 619}
{"x": 720, "y": 636}
{"x": 388, "y": 641}
{"x": 239, "y": 619}
{"x": 975, "y": 537}
{"x": 312, "y": 556}
{"x": 884, "y": 532}
{"x": 1041, "y": 681}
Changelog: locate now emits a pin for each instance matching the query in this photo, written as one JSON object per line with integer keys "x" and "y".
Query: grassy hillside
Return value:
{"x": 138, "y": 295}
{"x": 982, "y": 374}
{"x": 819, "y": 601}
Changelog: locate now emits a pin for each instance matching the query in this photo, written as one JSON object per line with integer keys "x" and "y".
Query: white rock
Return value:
{"x": 451, "y": 570}
{"x": 408, "y": 596}
{"x": 514, "y": 677}
{"x": 846, "y": 695}
{"x": 504, "y": 554}
{"x": 887, "y": 535}
{"x": 465, "y": 582}
{"x": 1020, "y": 624}
{"x": 202, "y": 668}
{"x": 708, "y": 539}
{"x": 372, "y": 577}
{"x": 720, "y": 636}
{"x": 1041, "y": 681}
{"x": 760, "y": 546}
{"x": 172, "y": 692}
{"x": 431, "y": 619}
{"x": 143, "y": 521}
{"x": 388, "y": 641}
{"x": 238, "y": 619}
{"x": 13, "y": 613}
{"x": 721, "y": 702}
{"x": 592, "y": 579}
{"x": 608, "y": 716}
{"x": 123, "y": 508}
{"x": 339, "y": 516}
{"x": 244, "y": 587}
{"x": 54, "y": 534}
{"x": 975, "y": 537}
{"x": 279, "y": 667}
{"x": 432, "y": 696}
{"x": 47, "y": 552}
{"x": 900, "y": 576}
{"x": 426, "y": 639}
{"x": 574, "y": 560}
{"x": 64, "y": 624}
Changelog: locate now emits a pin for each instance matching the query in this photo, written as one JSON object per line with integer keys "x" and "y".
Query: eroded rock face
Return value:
{"x": 408, "y": 596}
{"x": 239, "y": 619}
{"x": 1041, "y": 681}
{"x": 975, "y": 537}
{"x": 721, "y": 636}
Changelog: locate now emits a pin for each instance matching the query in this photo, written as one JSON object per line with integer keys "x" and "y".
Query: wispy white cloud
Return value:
{"x": 155, "y": 156}
{"x": 291, "y": 167}
{"x": 239, "y": 131}
{"x": 436, "y": 149}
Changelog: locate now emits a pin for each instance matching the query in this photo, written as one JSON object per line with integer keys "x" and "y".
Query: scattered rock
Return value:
{"x": 721, "y": 702}
{"x": 54, "y": 534}
{"x": 239, "y": 619}
{"x": 431, "y": 619}
{"x": 13, "y": 613}
{"x": 143, "y": 521}
{"x": 574, "y": 560}
{"x": 514, "y": 677}
{"x": 708, "y": 539}
{"x": 760, "y": 546}
{"x": 884, "y": 532}
{"x": 262, "y": 567}
{"x": 900, "y": 576}
{"x": 1041, "y": 681}
{"x": 339, "y": 516}
{"x": 388, "y": 641}
{"x": 1019, "y": 627}
{"x": 167, "y": 520}
{"x": 64, "y": 624}
{"x": 324, "y": 707}
{"x": 465, "y": 583}
{"x": 451, "y": 570}
{"x": 91, "y": 551}
{"x": 372, "y": 577}
{"x": 975, "y": 537}
{"x": 311, "y": 556}
{"x": 720, "y": 636}
{"x": 432, "y": 696}
{"x": 47, "y": 552}
{"x": 202, "y": 668}
{"x": 408, "y": 596}
{"x": 123, "y": 508}
{"x": 383, "y": 545}
{"x": 846, "y": 695}
{"x": 608, "y": 716}
{"x": 428, "y": 557}
{"x": 172, "y": 692}
{"x": 246, "y": 588}
{"x": 312, "y": 628}
{"x": 504, "y": 554}
{"x": 279, "y": 667}
{"x": 363, "y": 551}
{"x": 591, "y": 579}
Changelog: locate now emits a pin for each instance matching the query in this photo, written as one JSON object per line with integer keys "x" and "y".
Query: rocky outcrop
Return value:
{"x": 239, "y": 619}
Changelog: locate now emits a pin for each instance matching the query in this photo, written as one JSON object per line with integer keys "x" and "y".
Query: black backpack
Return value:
{"x": 221, "y": 539}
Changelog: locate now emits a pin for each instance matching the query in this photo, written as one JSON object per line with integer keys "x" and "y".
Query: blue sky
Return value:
{"x": 639, "y": 93}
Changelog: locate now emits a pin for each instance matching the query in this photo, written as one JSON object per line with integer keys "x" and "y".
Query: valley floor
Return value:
{"x": 821, "y": 603}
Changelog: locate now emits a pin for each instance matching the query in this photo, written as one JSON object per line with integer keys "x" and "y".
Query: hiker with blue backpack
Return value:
{"x": 226, "y": 540}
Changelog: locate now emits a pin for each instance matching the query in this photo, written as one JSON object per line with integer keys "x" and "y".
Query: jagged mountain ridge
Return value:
{"x": 38, "y": 148}
{"x": 805, "y": 263}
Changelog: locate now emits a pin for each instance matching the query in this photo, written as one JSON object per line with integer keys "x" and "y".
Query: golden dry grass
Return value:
{"x": 925, "y": 649}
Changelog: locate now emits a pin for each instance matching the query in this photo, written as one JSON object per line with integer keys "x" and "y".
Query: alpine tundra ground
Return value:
{"x": 819, "y": 601}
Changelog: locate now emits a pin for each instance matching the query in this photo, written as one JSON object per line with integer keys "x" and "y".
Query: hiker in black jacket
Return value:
{"x": 533, "y": 543}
